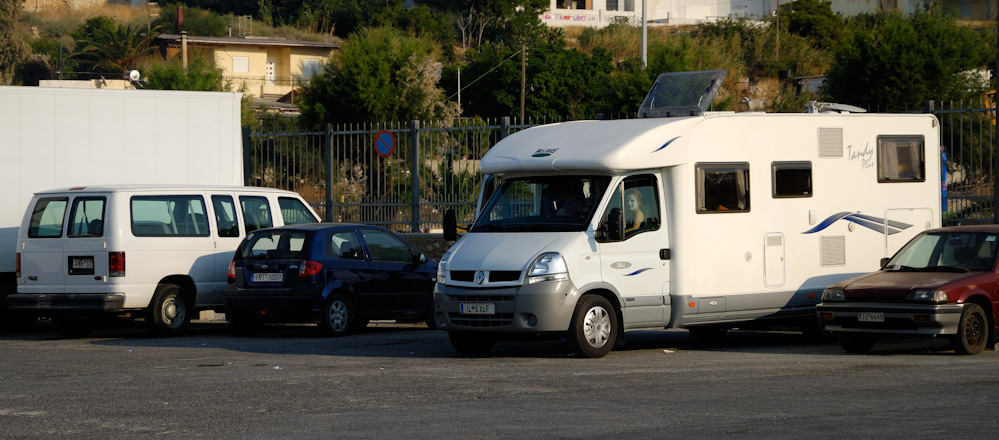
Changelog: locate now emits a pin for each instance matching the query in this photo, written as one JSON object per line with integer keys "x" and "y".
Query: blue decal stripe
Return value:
{"x": 666, "y": 144}
{"x": 874, "y": 223}
{"x": 825, "y": 223}
{"x": 892, "y": 223}
{"x": 638, "y": 271}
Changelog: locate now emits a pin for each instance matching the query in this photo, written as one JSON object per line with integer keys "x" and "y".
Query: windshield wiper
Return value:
{"x": 955, "y": 269}
{"x": 488, "y": 227}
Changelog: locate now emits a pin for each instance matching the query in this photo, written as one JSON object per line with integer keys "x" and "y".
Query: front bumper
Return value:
{"x": 530, "y": 308}
{"x": 901, "y": 318}
{"x": 82, "y": 302}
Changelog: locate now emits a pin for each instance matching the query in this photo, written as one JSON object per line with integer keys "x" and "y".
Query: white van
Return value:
{"x": 158, "y": 252}
{"x": 699, "y": 220}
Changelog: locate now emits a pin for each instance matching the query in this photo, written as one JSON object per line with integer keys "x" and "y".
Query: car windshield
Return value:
{"x": 542, "y": 204}
{"x": 947, "y": 252}
{"x": 274, "y": 244}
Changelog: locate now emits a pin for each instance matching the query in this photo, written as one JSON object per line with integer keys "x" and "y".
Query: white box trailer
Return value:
{"x": 58, "y": 137}
{"x": 704, "y": 222}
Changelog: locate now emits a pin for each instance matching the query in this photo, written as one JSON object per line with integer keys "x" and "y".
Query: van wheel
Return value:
{"x": 710, "y": 334}
{"x": 73, "y": 327}
{"x": 337, "y": 314}
{"x": 471, "y": 344}
{"x": 593, "y": 328}
{"x": 972, "y": 331}
{"x": 167, "y": 314}
{"x": 856, "y": 342}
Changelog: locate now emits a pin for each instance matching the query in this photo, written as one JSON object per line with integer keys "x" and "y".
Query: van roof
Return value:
{"x": 161, "y": 187}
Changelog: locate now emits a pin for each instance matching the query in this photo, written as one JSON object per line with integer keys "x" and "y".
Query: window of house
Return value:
{"x": 311, "y": 67}
{"x": 722, "y": 187}
{"x": 900, "y": 159}
{"x": 792, "y": 179}
{"x": 240, "y": 64}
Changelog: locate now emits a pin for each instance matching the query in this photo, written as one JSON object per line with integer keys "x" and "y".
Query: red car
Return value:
{"x": 941, "y": 283}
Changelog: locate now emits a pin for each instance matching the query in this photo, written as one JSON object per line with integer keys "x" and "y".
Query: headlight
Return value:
{"x": 928, "y": 296}
{"x": 549, "y": 266}
{"x": 441, "y": 279}
{"x": 833, "y": 295}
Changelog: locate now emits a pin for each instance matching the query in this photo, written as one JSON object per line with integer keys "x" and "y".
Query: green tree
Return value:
{"x": 896, "y": 62}
{"x": 813, "y": 19}
{"x": 13, "y": 49}
{"x": 502, "y": 21}
{"x": 378, "y": 75}
{"x": 196, "y": 21}
{"x": 200, "y": 75}
{"x": 105, "y": 46}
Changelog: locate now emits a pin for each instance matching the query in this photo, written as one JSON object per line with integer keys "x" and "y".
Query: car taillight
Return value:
{"x": 17, "y": 265}
{"x": 309, "y": 268}
{"x": 232, "y": 271}
{"x": 116, "y": 264}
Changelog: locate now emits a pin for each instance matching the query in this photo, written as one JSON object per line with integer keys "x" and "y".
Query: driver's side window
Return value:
{"x": 638, "y": 199}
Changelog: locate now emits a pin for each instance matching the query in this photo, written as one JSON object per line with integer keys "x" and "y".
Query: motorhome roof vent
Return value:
{"x": 831, "y": 107}
{"x": 682, "y": 94}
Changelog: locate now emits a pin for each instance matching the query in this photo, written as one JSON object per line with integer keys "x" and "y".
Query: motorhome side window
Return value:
{"x": 86, "y": 218}
{"x": 722, "y": 188}
{"x": 638, "y": 199}
{"x": 256, "y": 213}
{"x": 900, "y": 159}
{"x": 542, "y": 204}
{"x": 169, "y": 216}
{"x": 46, "y": 217}
{"x": 792, "y": 179}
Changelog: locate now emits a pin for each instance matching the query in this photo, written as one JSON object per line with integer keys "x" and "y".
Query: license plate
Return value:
{"x": 83, "y": 263}
{"x": 477, "y": 308}
{"x": 871, "y": 317}
{"x": 268, "y": 277}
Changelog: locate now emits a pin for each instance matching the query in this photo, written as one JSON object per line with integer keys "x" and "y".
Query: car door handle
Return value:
{"x": 664, "y": 254}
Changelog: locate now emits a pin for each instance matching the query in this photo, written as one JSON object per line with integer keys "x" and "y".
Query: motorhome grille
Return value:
{"x": 830, "y": 142}
{"x": 463, "y": 275}
{"x": 481, "y": 298}
{"x": 833, "y": 251}
{"x": 497, "y": 320}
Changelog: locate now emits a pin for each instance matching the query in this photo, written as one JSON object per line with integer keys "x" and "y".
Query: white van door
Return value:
{"x": 228, "y": 234}
{"x": 43, "y": 263}
{"x": 86, "y": 245}
{"x": 638, "y": 265}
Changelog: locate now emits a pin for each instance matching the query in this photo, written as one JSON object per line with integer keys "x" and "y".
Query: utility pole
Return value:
{"x": 995, "y": 143}
{"x": 645, "y": 38}
{"x": 523, "y": 78}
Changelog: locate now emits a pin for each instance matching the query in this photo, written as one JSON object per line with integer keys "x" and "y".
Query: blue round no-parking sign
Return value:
{"x": 384, "y": 143}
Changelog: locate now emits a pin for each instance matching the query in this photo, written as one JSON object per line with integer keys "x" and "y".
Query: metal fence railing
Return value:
{"x": 403, "y": 176}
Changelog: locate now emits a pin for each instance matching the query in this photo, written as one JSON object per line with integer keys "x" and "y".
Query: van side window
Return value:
{"x": 256, "y": 213}
{"x": 294, "y": 212}
{"x": 384, "y": 247}
{"x": 344, "y": 244}
{"x": 792, "y": 179}
{"x": 900, "y": 159}
{"x": 169, "y": 216}
{"x": 225, "y": 216}
{"x": 86, "y": 218}
{"x": 639, "y": 198}
{"x": 722, "y": 187}
{"x": 46, "y": 218}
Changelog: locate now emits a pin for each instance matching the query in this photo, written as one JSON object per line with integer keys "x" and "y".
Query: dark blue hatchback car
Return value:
{"x": 338, "y": 275}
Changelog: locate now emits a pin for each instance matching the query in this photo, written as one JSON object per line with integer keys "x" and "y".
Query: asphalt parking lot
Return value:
{"x": 405, "y": 381}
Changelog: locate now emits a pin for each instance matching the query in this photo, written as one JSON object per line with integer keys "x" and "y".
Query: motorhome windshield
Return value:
{"x": 542, "y": 204}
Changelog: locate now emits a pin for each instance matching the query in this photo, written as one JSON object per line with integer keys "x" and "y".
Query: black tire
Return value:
{"x": 12, "y": 322}
{"x": 471, "y": 343}
{"x": 593, "y": 329}
{"x": 431, "y": 324}
{"x": 73, "y": 327}
{"x": 972, "y": 331}
{"x": 337, "y": 316}
{"x": 856, "y": 342}
{"x": 815, "y": 331}
{"x": 710, "y": 334}
{"x": 168, "y": 314}
{"x": 244, "y": 328}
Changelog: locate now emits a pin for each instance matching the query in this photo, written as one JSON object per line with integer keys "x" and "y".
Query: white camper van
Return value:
{"x": 696, "y": 220}
{"x": 158, "y": 252}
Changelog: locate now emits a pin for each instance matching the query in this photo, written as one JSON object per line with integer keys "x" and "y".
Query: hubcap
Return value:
{"x": 597, "y": 327}
{"x": 338, "y": 315}
{"x": 173, "y": 311}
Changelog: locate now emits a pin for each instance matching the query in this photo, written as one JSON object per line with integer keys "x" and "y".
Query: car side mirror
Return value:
{"x": 884, "y": 261}
{"x": 450, "y": 225}
{"x": 420, "y": 258}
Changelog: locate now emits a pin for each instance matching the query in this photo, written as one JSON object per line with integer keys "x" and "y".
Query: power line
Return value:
{"x": 484, "y": 74}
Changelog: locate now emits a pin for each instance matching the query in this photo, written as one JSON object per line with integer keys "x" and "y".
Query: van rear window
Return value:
{"x": 169, "y": 216}
{"x": 47, "y": 217}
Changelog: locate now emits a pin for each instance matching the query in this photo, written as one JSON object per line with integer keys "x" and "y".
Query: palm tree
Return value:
{"x": 115, "y": 49}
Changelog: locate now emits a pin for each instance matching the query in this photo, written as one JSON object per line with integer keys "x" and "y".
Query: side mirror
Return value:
{"x": 614, "y": 227}
{"x": 450, "y": 225}
{"x": 420, "y": 258}
{"x": 884, "y": 261}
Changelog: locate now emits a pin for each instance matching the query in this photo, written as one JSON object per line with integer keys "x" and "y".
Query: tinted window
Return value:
{"x": 225, "y": 216}
{"x": 792, "y": 179}
{"x": 386, "y": 247}
{"x": 722, "y": 188}
{"x": 86, "y": 218}
{"x": 275, "y": 244}
{"x": 46, "y": 218}
{"x": 344, "y": 244}
{"x": 294, "y": 212}
{"x": 900, "y": 159}
{"x": 169, "y": 216}
{"x": 256, "y": 213}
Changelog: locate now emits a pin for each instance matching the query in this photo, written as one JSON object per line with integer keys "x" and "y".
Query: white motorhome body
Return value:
{"x": 56, "y": 137}
{"x": 747, "y": 217}
{"x": 163, "y": 250}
